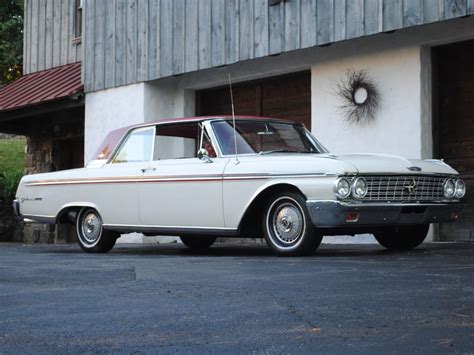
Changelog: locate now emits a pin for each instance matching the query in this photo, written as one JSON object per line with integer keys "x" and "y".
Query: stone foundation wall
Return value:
{"x": 44, "y": 153}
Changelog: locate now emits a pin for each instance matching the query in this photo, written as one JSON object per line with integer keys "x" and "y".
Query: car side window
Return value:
{"x": 178, "y": 141}
{"x": 137, "y": 147}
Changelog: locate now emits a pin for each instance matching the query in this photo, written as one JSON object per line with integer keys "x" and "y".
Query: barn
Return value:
{"x": 92, "y": 66}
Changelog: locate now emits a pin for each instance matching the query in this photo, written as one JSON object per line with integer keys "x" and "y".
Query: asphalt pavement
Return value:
{"x": 236, "y": 299}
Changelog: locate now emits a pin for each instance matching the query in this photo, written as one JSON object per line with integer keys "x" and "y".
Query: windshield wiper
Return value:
{"x": 264, "y": 152}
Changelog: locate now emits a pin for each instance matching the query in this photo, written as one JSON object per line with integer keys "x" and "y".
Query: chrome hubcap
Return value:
{"x": 91, "y": 227}
{"x": 288, "y": 223}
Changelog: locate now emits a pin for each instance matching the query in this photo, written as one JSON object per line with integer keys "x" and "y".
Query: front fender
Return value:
{"x": 240, "y": 195}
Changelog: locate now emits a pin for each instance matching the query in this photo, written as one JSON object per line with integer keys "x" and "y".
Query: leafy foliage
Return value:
{"x": 11, "y": 40}
{"x": 12, "y": 156}
{"x": 9, "y": 183}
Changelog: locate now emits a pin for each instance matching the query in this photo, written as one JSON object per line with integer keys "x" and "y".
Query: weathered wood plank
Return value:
{"x": 72, "y": 51}
{"x": 178, "y": 24}
{"x": 89, "y": 63}
{"x": 325, "y": 23}
{"x": 412, "y": 12}
{"x": 191, "y": 40}
{"x": 166, "y": 38}
{"x": 64, "y": 32}
{"x": 308, "y": 21}
{"x": 48, "y": 36}
{"x": 292, "y": 25}
{"x": 246, "y": 38}
{"x": 260, "y": 28}
{"x": 204, "y": 30}
{"x": 41, "y": 34}
{"x": 454, "y": 8}
{"x": 56, "y": 33}
{"x": 354, "y": 18}
{"x": 26, "y": 37}
{"x": 109, "y": 70}
{"x": 218, "y": 33}
{"x": 470, "y": 7}
{"x": 120, "y": 42}
{"x": 132, "y": 28}
{"x": 232, "y": 31}
{"x": 99, "y": 44}
{"x": 392, "y": 15}
{"x": 372, "y": 16}
{"x": 142, "y": 41}
{"x": 153, "y": 38}
{"x": 430, "y": 10}
{"x": 276, "y": 16}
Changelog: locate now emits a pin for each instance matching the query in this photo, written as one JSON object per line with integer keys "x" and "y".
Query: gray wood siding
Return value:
{"x": 48, "y": 36}
{"x": 129, "y": 41}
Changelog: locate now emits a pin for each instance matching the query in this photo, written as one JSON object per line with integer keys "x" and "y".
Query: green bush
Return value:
{"x": 12, "y": 161}
{"x": 9, "y": 183}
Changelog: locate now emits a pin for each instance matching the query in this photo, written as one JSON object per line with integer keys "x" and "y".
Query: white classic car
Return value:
{"x": 199, "y": 178}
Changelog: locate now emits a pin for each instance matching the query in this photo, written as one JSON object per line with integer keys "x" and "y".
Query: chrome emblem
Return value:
{"x": 410, "y": 187}
{"x": 414, "y": 168}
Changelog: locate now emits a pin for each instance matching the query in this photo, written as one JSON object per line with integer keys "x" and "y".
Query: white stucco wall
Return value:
{"x": 132, "y": 104}
{"x": 398, "y": 127}
{"x": 110, "y": 109}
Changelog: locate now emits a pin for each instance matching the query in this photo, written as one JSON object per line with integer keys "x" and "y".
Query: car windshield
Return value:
{"x": 264, "y": 137}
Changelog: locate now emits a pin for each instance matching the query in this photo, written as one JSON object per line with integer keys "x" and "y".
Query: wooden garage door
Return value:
{"x": 454, "y": 124}
{"x": 287, "y": 96}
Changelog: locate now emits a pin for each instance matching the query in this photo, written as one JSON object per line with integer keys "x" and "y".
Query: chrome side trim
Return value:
{"x": 40, "y": 218}
{"x": 170, "y": 230}
{"x": 182, "y": 178}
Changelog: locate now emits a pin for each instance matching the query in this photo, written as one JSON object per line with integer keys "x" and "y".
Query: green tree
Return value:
{"x": 11, "y": 40}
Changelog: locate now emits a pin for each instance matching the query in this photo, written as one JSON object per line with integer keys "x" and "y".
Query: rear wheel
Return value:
{"x": 91, "y": 236}
{"x": 287, "y": 226}
{"x": 402, "y": 237}
{"x": 198, "y": 242}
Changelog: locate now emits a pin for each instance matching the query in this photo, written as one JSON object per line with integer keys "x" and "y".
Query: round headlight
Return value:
{"x": 460, "y": 188}
{"x": 343, "y": 188}
{"x": 449, "y": 188}
{"x": 359, "y": 188}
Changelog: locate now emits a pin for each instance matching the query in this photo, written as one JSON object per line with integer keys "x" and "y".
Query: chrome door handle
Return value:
{"x": 144, "y": 170}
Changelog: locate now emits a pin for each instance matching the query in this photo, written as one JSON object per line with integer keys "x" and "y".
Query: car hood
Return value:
{"x": 390, "y": 164}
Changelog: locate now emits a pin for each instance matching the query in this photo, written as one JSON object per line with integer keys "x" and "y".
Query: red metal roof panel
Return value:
{"x": 43, "y": 86}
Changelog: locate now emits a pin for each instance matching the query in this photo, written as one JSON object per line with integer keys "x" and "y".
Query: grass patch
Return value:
{"x": 12, "y": 155}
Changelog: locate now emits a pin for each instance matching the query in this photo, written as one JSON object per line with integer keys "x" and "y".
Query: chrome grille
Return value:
{"x": 397, "y": 188}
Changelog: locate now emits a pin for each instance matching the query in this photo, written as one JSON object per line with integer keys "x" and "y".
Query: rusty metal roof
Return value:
{"x": 43, "y": 86}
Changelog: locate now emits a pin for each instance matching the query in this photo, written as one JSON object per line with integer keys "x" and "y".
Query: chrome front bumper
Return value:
{"x": 334, "y": 214}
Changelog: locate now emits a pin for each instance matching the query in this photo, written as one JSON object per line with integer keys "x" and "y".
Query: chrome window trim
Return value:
{"x": 125, "y": 139}
{"x": 307, "y": 133}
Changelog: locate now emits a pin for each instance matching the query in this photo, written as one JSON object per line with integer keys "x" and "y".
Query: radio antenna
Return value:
{"x": 233, "y": 121}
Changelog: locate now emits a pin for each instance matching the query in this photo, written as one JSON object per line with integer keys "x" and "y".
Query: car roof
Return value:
{"x": 205, "y": 118}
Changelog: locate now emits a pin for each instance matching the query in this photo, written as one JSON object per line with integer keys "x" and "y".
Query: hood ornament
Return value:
{"x": 414, "y": 168}
{"x": 410, "y": 187}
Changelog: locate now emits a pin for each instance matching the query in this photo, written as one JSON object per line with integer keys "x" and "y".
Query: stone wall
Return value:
{"x": 47, "y": 149}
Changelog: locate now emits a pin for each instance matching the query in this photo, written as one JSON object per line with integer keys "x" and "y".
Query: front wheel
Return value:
{"x": 402, "y": 237}
{"x": 287, "y": 226}
{"x": 198, "y": 242}
{"x": 91, "y": 235}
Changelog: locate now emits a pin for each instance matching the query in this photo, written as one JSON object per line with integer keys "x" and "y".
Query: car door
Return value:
{"x": 177, "y": 190}
{"x": 115, "y": 191}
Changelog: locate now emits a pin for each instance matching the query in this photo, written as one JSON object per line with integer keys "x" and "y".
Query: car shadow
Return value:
{"x": 247, "y": 250}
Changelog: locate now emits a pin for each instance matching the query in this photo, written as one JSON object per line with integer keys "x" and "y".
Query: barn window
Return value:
{"x": 78, "y": 19}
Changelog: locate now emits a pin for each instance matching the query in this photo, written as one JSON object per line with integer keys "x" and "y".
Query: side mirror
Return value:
{"x": 204, "y": 155}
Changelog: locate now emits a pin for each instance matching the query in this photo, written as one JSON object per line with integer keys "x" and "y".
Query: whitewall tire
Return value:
{"x": 287, "y": 226}
{"x": 91, "y": 236}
